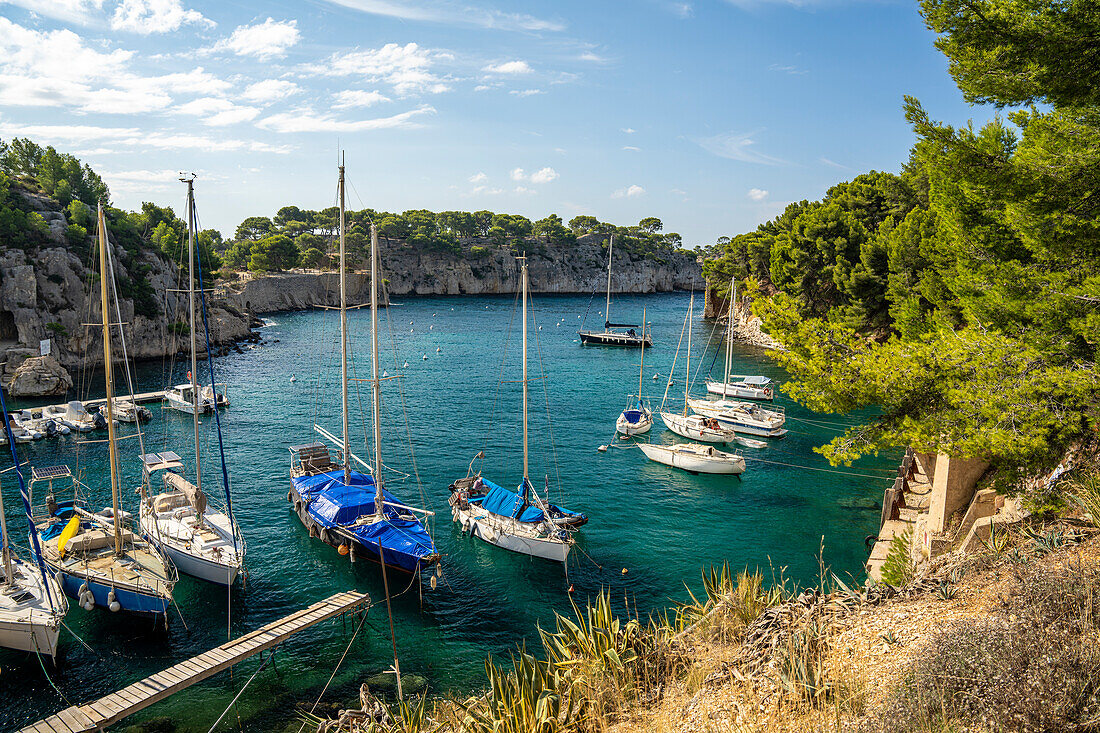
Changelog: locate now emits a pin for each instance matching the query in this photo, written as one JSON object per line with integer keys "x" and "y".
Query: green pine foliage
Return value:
{"x": 960, "y": 296}
{"x": 897, "y": 569}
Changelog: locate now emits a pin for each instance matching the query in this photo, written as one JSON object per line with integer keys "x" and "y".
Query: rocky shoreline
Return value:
{"x": 747, "y": 328}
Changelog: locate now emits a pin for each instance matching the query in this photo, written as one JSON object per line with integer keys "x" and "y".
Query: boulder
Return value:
{"x": 40, "y": 376}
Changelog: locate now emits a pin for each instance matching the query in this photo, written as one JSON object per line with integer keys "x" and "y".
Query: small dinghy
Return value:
{"x": 694, "y": 458}
{"x": 50, "y": 427}
{"x": 18, "y": 433}
{"x": 750, "y": 443}
{"x": 77, "y": 417}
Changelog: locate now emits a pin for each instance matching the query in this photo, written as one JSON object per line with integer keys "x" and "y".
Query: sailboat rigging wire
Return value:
{"x": 814, "y": 468}
{"x": 125, "y": 359}
{"x": 500, "y": 378}
{"x": 246, "y": 684}
{"x": 546, "y": 396}
{"x": 675, "y": 357}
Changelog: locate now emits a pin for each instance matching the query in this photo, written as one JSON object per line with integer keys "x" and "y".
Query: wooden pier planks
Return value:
{"x": 107, "y": 710}
{"x": 138, "y": 398}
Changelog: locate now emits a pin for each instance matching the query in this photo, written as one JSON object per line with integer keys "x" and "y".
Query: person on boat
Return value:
{"x": 632, "y": 333}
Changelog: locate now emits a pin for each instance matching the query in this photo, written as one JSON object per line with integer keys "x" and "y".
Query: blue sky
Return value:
{"x": 709, "y": 114}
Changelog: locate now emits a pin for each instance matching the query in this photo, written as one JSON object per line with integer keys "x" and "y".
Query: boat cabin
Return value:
{"x": 311, "y": 459}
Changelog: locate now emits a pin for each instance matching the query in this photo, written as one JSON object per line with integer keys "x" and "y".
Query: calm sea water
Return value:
{"x": 652, "y": 529}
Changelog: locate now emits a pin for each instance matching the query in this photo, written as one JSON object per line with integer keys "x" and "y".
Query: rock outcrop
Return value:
{"x": 40, "y": 376}
{"x": 747, "y": 328}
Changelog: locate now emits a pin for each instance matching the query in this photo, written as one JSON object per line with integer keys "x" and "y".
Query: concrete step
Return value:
{"x": 892, "y": 528}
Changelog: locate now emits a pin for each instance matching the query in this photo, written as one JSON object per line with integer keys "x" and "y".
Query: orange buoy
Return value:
{"x": 342, "y": 549}
{"x": 570, "y": 587}
{"x": 624, "y": 571}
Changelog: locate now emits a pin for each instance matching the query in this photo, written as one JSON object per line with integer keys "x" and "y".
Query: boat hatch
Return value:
{"x": 160, "y": 461}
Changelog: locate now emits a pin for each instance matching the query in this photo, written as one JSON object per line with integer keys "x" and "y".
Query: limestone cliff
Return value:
{"x": 481, "y": 268}
{"x": 46, "y": 292}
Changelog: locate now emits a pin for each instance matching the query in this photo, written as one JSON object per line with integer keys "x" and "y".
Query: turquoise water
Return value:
{"x": 659, "y": 525}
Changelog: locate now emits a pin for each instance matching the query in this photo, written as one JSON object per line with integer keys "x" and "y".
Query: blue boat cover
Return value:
{"x": 633, "y": 416}
{"x": 309, "y": 487}
{"x": 505, "y": 503}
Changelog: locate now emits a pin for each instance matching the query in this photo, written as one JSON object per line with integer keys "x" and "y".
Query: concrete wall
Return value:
{"x": 952, "y": 488}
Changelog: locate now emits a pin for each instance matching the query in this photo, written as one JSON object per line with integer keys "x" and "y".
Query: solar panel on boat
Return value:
{"x": 50, "y": 472}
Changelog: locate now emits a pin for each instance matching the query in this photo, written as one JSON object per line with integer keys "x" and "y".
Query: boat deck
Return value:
{"x": 138, "y": 398}
{"x": 106, "y": 711}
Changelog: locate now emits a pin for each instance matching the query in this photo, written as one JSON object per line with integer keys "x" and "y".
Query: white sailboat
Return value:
{"x": 694, "y": 457}
{"x": 637, "y": 418}
{"x": 750, "y": 387}
{"x": 694, "y": 427}
{"x": 520, "y": 521}
{"x": 202, "y": 540}
{"x": 32, "y": 605}
{"x": 608, "y": 336}
{"x": 98, "y": 558}
{"x": 743, "y": 417}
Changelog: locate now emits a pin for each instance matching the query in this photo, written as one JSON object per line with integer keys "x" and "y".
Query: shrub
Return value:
{"x": 897, "y": 570}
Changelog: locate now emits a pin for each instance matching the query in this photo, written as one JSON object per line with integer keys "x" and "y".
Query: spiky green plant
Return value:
{"x": 802, "y": 671}
{"x": 741, "y": 601}
{"x": 946, "y": 592}
{"x": 998, "y": 539}
{"x": 523, "y": 697}
{"x": 1086, "y": 496}
{"x": 897, "y": 569}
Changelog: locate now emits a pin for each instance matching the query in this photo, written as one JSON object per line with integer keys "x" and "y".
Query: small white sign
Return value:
{"x": 44, "y": 347}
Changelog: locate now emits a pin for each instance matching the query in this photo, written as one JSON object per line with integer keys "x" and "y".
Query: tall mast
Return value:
{"x": 8, "y": 577}
{"x": 344, "y": 340}
{"x": 191, "y": 300}
{"x": 109, "y": 376}
{"x": 687, "y": 377}
{"x": 641, "y": 361}
{"x": 607, "y": 307}
{"x": 729, "y": 339}
{"x": 376, "y": 387}
{"x": 524, "y": 278}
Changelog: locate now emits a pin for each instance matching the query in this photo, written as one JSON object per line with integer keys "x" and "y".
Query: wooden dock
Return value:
{"x": 106, "y": 711}
{"x": 139, "y": 398}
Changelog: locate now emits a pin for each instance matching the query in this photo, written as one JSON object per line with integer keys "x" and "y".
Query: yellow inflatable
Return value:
{"x": 67, "y": 534}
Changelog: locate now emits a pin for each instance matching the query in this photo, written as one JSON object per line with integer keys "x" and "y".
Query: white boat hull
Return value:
{"x": 739, "y": 389}
{"x": 174, "y": 537}
{"x": 676, "y": 457}
{"x": 497, "y": 531}
{"x": 691, "y": 427}
{"x": 32, "y": 624}
{"x": 741, "y": 421}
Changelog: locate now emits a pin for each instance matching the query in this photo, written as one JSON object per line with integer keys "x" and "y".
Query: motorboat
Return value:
{"x": 47, "y": 426}
{"x": 744, "y": 386}
{"x": 19, "y": 433}
{"x": 75, "y": 416}
{"x": 125, "y": 410}
{"x": 743, "y": 417}
{"x": 695, "y": 458}
{"x": 182, "y": 398}
{"x": 177, "y": 517}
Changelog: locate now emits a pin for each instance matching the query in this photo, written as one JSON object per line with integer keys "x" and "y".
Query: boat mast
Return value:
{"x": 376, "y": 386}
{"x": 109, "y": 377}
{"x": 523, "y": 277}
{"x": 641, "y": 360}
{"x": 9, "y": 579}
{"x": 607, "y": 307}
{"x": 344, "y": 338}
{"x": 687, "y": 377}
{"x": 194, "y": 356}
{"x": 729, "y": 339}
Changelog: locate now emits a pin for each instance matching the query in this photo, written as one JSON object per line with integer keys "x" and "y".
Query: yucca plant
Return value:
{"x": 522, "y": 698}
{"x": 1087, "y": 497}
{"x": 743, "y": 600}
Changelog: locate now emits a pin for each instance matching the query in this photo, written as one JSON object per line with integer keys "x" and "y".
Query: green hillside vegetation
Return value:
{"x": 961, "y": 295}
{"x": 27, "y": 169}
{"x": 304, "y": 237}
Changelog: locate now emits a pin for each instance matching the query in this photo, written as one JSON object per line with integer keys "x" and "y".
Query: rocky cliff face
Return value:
{"x": 572, "y": 268}
{"x": 47, "y": 293}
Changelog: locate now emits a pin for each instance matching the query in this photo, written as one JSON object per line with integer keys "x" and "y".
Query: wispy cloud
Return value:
{"x": 270, "y": 90}
{"x": 788, "y": 69}
{"x": 452, "y": 13}
{"x": 133, "y": 137}
{"x": 525, "y": 92}
{"x": 307, "y": 120}
{"x": 628, "y": 130}
{"x": 542, "y": 175}
{"x": 409, "y": 69}
{"x": 834, "y": 164}
{"x": 632, "y": 148}
{"x": 478, "y": 177}
{"x": 510, "y": 68}
{"x": 218, "y": 111}
{"x": 349, "y": 98}
{"x": 630, "y": 192}
{"x": 738, "y": 146}
{"x": 757, "y": 194}
{"x": 77, "y": 12}
{"x": 263, "y": 41}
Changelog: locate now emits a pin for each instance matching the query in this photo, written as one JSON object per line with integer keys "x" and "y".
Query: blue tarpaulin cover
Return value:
{"x": 499, "y": 500}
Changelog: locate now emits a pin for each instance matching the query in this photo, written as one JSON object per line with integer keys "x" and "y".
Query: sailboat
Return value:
{"x": 32, "y": 605}
{"x": 348, "y": 509}
{"x": 695, "y": 427}
{"x": 694, "y": 457}
{"x": 98, "y": 558}
{"x": 609, "y": 337}
{"x": 750, "y": 387}
{"x": 176, "y": 514}
{"x": 637, "y": 418}
{"x": 518, "y": 520}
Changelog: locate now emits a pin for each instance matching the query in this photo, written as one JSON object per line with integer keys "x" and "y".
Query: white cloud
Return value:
{"x": 510, "y": 68}
{"x": 524, "y": 190}
{"x": 452, "y": 13}
{"x": 518, "y": 174}
{"x": 348, "y": 98}
{"x": 217, "y": 111}
{"x": 544, "y": 175}
{"x": 788, "y": 69}
{"x": 154, "y": 16}
{"x": 737, "y": 146}
{"x": 633, "y": 148}
{"x": 632, "y": 191}
{"x": 593, "y": 57}
{"x": 482, "y": 88}
{"x": 79, "y": 12}
{"x": 834, "y": 164}
{"x": 306, "y": 120}
{"x": 629, "y": 130}
{"x": 270, "y": 90}
{"x": 487, "y": 190}
{"x": 263, "y": 41}
{"x": 525, "y": 92}
{"x": 757, "y": 194}
{"x": 408, "y": 68}
{"x": 133, "y": 137}
{"x": 478, "y": 177}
